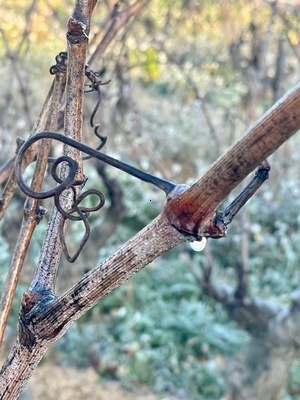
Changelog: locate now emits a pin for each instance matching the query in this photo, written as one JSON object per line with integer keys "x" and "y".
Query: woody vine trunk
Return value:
{"x": 189, "y": 213}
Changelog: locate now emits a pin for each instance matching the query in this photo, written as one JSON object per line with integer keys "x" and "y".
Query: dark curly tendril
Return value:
{"x": 77, "y": 213}
{"x": 82, "y": 215}
{"x": 61, "y": 63}
{"x": 94, "y": 86}
{"x": 160, "y": 183}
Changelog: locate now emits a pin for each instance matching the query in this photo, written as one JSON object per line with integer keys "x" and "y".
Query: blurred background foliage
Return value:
{"x": 187, "y": 79}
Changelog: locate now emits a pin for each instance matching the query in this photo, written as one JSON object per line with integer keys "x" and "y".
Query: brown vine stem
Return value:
{"x": 51, "y": 322}
{"x": 77, "y": 39}
{"x": 44, "y": 279}
{"x": 11, "y": 183}
{"x": 160, "y": 235}
{"x": 32, "y": 211}
{"x": 43, "y": 322}
{"x": 193, "y": 212}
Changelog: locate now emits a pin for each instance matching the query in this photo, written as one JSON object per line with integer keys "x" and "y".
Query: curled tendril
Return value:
{"x": 82, "y": 215}
{"x": 61, "y": 63}
{"x": 83, "y": 212}
{"x": 160, "y": 183}
{"x": 94, "y": 86}
{"x": 69, "y": 183}
{"x": 77, "y": 212}
{"x": 63, "y": 184}
{"x": 83, "y": 241}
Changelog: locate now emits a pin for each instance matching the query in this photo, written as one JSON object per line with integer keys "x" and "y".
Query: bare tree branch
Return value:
{"x": 118, "y": 21}
{"x": 44, "y": 318}
{"x": 193, "y": 212}
{"x": 78, "y": 31}
{"x": 32, "y": 211}
{"x": 260, "y": 176}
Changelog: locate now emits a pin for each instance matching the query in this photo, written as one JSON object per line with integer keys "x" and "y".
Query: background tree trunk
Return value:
{"x": 260, "y": 369}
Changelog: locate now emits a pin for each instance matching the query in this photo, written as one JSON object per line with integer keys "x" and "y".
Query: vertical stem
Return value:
{"x": 77, "y": 40}
{"x": 23, "y": 359}
{"x": 31, "y": 210}
{"x": 11, "y": 183}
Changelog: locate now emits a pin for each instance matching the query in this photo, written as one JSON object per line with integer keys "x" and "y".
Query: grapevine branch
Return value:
{"x": 189, "y": 213}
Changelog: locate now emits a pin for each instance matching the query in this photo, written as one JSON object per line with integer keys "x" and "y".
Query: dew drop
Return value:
{"x": 199, "y": 246}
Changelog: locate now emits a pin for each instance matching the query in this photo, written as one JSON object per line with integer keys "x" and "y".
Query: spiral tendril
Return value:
{"x": 70, "y": 182}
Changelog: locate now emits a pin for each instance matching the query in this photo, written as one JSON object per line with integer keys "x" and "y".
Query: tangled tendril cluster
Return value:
{"x": 70, "y": 183}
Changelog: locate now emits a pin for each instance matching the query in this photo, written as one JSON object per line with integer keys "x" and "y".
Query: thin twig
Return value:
{"x": 78, "y": 31}
{"x": 118, "y": 21}
{"x": 32, "y": 212}
{"x": 11, "y": 183}
{"x": 261, "y": 175}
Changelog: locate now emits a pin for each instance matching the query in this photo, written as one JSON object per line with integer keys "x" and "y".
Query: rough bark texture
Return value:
{"x": 45, "y": 319}
{"x": 262, "y": 139}
{"x": 32, "y": 211}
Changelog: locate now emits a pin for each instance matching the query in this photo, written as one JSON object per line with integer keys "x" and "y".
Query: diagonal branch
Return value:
{"x": 140, "y": 250}
{"x": 118, "y": 21}
{"x": 193, "y": 211}
{"x": 261, "y": 175}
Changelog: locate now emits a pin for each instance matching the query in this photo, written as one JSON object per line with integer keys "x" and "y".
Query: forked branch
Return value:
{"x": 193, "y": 212}
{"x": 189, "y": 213}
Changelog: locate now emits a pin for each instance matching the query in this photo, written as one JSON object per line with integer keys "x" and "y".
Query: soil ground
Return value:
{"x": 50, "y": 382}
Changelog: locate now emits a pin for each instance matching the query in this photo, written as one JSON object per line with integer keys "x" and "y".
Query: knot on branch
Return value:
{"x": 76, "y": 31}
{"x": 33, "y": 303}
{"x": 205, "y": 221}
{"x": 194, "y": 224}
